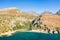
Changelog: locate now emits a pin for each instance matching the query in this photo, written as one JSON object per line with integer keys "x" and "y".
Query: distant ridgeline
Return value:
{"x": 48, "y": 22}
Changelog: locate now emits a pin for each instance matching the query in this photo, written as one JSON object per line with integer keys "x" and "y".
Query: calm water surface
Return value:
{"x": 31, "y": 36}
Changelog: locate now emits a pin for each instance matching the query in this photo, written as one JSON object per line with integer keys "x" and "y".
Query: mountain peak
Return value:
{"x": 11, "y": 8}
{"x": 47, "y": 12}
{"x": 33, "y": 13}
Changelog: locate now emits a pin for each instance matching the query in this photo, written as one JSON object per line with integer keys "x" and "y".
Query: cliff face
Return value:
{"x": 48, "y": 22}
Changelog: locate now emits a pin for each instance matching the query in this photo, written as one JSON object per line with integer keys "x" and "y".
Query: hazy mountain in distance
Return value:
{"x": 33, "y": 13}
{"x": 46, "y": 12}
{"x": 58, "y": 12}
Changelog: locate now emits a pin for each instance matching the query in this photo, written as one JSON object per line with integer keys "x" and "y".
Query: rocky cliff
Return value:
{"x": 48, "y": 22}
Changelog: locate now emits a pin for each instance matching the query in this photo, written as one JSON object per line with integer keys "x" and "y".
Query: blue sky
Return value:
{"x": 35, "y": 5}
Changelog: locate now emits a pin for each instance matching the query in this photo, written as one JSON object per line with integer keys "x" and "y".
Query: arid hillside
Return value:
{"x": 13, "y": 18}
{"x": 51, "y": 21}
{"x": 47, "y": 22}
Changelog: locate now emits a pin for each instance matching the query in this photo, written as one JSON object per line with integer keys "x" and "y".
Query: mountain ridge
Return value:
{"x": 14, "y": 19}
{"x": 48, "y": 22}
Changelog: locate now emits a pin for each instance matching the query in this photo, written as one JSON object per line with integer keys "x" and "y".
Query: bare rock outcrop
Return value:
{"x": 48, "y": 22}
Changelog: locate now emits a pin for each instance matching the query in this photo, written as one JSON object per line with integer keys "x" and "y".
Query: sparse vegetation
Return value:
{"x": 14, "y": 19}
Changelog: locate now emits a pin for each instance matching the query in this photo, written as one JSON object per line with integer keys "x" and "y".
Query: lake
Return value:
{"x": 31, "y": 36}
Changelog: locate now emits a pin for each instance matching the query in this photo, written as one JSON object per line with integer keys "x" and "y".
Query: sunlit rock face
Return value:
{"x": 49, "y": 22}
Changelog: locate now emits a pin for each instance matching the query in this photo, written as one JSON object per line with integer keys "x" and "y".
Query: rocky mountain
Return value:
{"x": 48, "y": 22}
{"x": 13, "y": 18}
{"x": 33, "y": 13}
{"x": 58, "y": 12}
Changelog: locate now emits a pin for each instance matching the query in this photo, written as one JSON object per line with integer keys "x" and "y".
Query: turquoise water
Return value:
{"x": 31, "y": 36}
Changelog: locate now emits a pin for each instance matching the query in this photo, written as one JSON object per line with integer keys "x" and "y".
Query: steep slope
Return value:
{"x": 13, "y": 19}
{"x": 48, "y": 22}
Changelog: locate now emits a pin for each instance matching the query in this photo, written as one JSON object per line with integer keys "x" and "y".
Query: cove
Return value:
{"x": 31, "y": 36}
